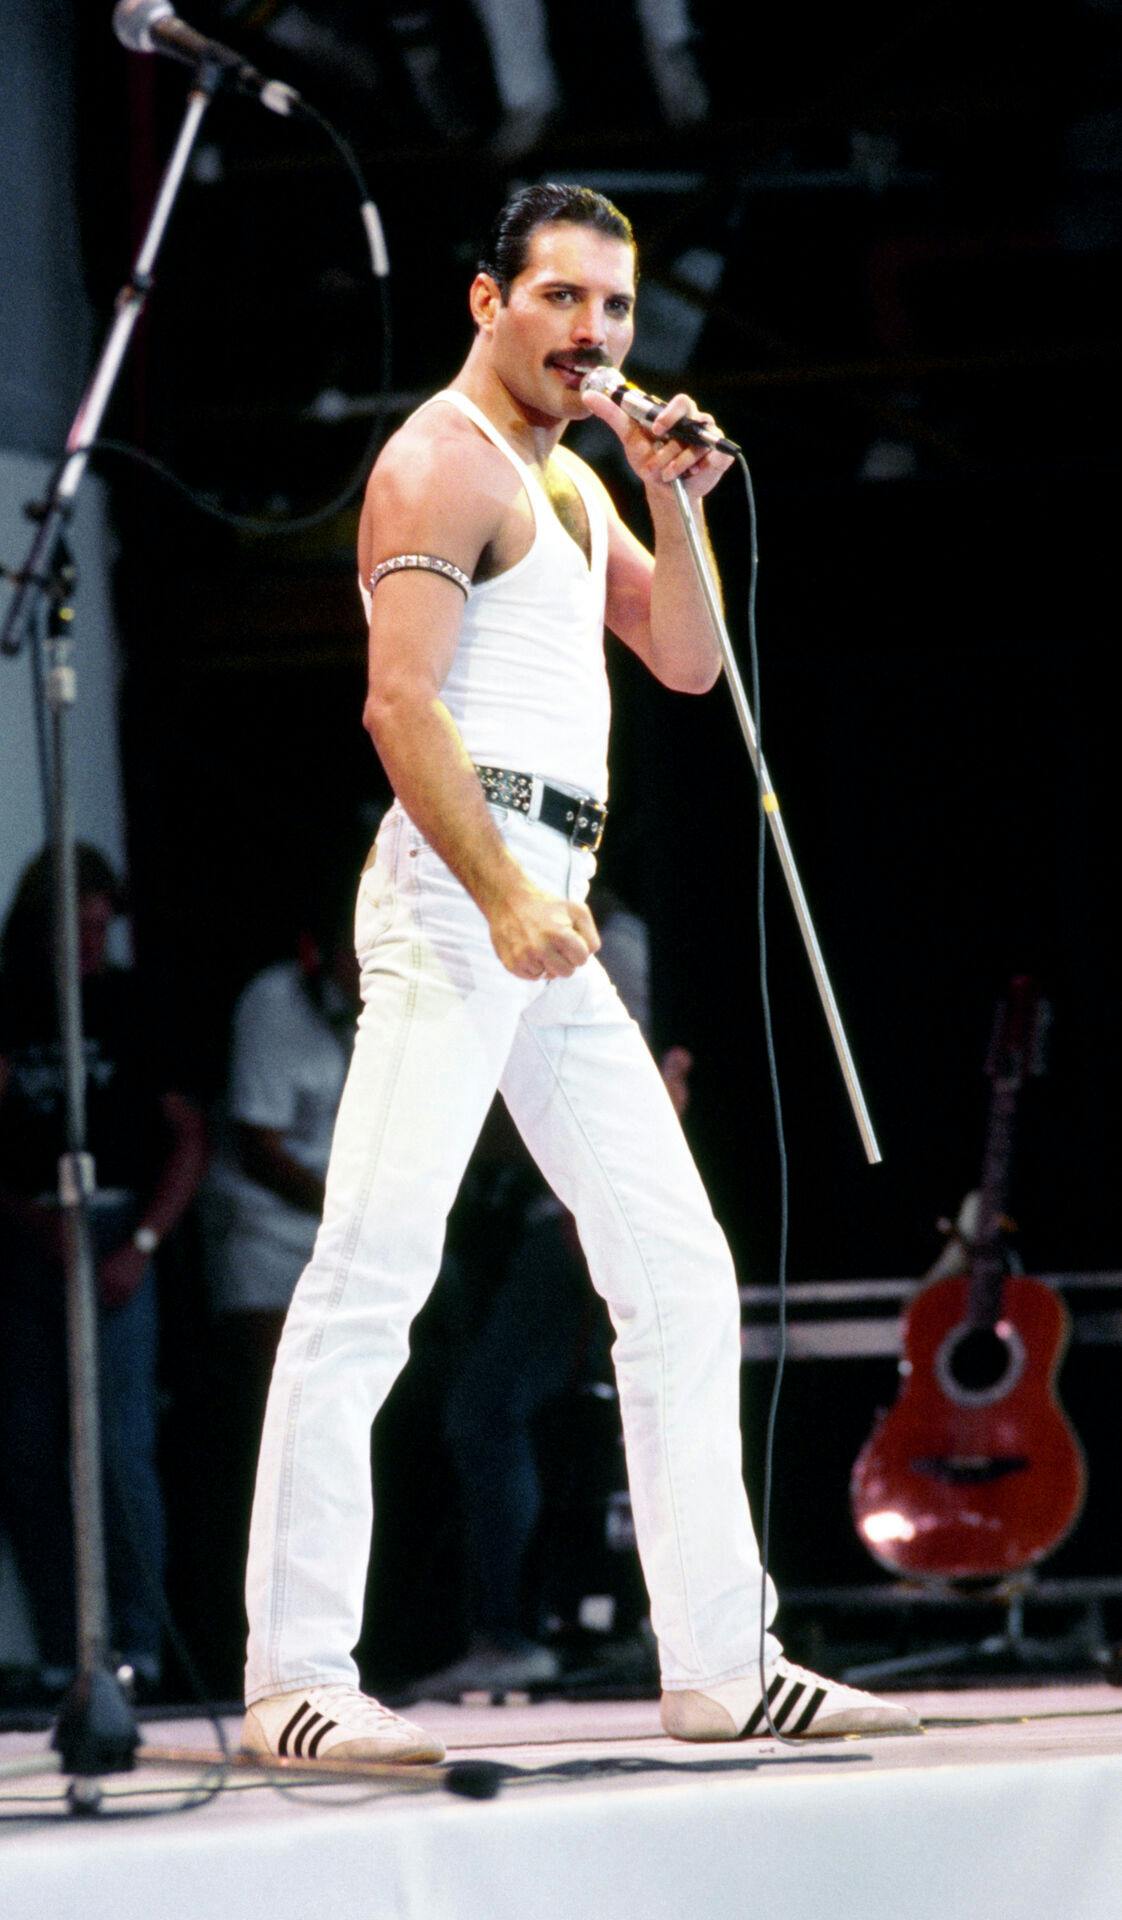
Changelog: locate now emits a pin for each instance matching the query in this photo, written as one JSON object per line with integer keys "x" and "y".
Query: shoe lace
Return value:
{"x": 347, "y": 1704}
{"x": 809, "y": 1679}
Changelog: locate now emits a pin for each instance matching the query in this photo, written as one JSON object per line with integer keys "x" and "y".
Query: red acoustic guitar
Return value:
{"x": 975, "y": 1472}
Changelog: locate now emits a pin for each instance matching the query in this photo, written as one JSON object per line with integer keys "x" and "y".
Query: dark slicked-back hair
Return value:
{"x": 25, "y": 940}
{"x": 544, "y": 206}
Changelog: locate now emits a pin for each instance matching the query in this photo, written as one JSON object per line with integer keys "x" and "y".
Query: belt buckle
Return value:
{"x": 588, "y": 827}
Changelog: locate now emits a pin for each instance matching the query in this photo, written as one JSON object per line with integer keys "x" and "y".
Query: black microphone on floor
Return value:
{"x": 644, "y": 408}
{"x": 150, "y": 26}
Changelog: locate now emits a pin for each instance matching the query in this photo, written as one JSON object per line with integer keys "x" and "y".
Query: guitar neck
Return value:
{"x": 987, "y": 1264}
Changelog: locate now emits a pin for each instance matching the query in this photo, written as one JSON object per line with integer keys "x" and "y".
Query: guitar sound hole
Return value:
{"x": 977, "y": 1366}
{"x": 979, "y": 1361}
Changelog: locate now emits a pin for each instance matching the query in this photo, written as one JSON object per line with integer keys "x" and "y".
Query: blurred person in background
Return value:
{"x": 147, "y": 1138}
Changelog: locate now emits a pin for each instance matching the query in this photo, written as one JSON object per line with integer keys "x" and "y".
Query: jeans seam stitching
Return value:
{"x": 622, "y": 1214}
{"x": 342, "y": 1274}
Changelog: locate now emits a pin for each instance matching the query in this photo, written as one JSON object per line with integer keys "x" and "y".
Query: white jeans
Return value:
{"x": 443, "y": 1024}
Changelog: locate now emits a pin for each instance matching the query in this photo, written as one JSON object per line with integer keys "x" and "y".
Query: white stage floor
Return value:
{"x": 1008, "y": 1806}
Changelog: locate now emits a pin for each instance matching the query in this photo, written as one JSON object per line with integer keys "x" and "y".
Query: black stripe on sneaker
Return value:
{"x": 327, "y": 1727}
{"x": 786, "y": 1707}
{"x": 809, "y": 1711}
{"x": 756, "y": 1719}
{"x": 311, "y": 1723}
{"x": 282, "y": 1744}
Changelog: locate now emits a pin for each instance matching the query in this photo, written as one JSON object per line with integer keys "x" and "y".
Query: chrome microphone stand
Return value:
{"x": 96, "y": 1732}
{"x": 770, "y": 803}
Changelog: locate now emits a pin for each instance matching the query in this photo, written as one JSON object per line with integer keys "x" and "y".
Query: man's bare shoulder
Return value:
{"x": 439, "y": 447}
{"x": 439, "y": 486}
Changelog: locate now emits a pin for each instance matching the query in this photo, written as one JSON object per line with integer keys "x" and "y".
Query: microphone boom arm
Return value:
{"x": 770, "y": 803}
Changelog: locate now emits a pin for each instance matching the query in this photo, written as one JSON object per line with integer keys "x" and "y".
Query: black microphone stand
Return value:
{"x": 96, "y": 1732}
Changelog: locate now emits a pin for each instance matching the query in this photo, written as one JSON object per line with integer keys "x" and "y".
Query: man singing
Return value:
{"x": 491, "y": 560}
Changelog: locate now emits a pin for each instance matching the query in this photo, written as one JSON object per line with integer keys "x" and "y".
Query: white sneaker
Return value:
{"x": 340, "y": 1723}
{"x": 801, "y": 1703}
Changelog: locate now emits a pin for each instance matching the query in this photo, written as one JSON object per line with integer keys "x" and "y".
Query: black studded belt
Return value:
{"x": 578, "y": 817}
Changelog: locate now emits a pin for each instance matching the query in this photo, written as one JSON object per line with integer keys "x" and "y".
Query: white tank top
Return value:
{"x": 528, "y": 688}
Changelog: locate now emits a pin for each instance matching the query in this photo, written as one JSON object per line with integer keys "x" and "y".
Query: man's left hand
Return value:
{"x": 120, "y": 1274}
{"x": 657, "y": 459}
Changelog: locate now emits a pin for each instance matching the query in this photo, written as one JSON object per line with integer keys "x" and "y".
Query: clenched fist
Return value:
{"x": 539, "y": 936}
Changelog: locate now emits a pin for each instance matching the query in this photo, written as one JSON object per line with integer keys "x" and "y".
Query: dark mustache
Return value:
{"x": 585, "y": 361}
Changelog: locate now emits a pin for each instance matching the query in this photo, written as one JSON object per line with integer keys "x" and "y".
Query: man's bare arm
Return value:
{"x": 655, "y": 605}
{"x": 446, "y": 494}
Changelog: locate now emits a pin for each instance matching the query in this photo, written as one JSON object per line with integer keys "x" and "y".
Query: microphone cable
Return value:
{"x": 356, "y": 478}
{"x": 777, "y": 1109}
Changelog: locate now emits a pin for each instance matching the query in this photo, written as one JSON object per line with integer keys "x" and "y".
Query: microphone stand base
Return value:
{"x": 95, "y": 1732}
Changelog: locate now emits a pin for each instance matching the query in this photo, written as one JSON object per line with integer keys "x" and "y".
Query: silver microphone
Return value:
{"x": 151, "y": 26}
{"x": 644, "y": 408}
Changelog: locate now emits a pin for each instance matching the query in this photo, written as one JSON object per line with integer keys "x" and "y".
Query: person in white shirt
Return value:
{"x": 293, "y": 1030}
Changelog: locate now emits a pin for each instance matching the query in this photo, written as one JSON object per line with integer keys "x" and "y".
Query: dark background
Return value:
{"x": 915, "y": 215}
{"x": 934, "y": 647}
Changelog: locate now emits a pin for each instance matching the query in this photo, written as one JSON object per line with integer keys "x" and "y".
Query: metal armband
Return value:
{"x": 427, "y": 562}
